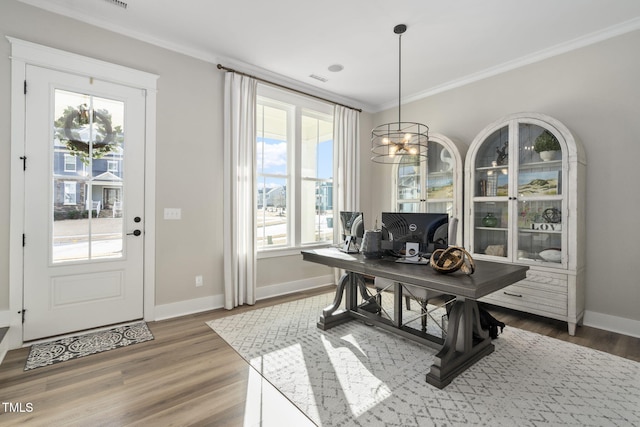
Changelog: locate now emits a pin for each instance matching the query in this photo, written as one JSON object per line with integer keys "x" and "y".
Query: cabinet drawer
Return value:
{"x": 526, "y": 298}
{"x": 550, "y": 282}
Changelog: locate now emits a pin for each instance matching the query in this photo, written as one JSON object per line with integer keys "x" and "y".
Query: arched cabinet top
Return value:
{"x": 571, "y": 146}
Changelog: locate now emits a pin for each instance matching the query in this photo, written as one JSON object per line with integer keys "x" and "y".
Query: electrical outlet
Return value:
{"x": 199, "y": 281}
{"x": 172, "y": 213}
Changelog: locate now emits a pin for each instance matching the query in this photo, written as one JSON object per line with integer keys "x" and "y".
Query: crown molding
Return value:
{"x": 559, "y": 49}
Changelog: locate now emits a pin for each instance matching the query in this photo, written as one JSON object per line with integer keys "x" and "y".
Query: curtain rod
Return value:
{"x": 222, "y": 67}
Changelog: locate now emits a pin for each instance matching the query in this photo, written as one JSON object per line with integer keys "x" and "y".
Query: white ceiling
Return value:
{"x": 447, "y": 43}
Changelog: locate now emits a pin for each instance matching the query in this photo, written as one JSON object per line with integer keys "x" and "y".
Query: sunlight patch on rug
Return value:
{"x": 74, "y": 347}
{"x": 359, "y": 375}
{"x": 362, "y": 389}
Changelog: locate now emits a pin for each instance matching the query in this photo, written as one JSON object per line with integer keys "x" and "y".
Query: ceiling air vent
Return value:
{"x": 117, "y": 3}
{"x": 317, "y": 77}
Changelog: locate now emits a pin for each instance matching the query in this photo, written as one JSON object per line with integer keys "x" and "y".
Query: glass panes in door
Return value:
{"x": 539, "y": 195}
{"x": 491, "y": 228}
{"x": 492, "y": 166}
{"x": 491, "y": 190}
{"x": 409, "y": 184}
{"x": 87, "y": 193}
{"x": 439, "y": 183}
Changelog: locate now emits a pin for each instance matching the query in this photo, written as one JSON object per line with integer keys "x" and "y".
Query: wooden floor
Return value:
{"x": 189, "y": 376}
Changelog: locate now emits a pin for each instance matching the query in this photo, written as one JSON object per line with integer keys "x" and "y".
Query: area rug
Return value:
{"x": 359, "y": 375}
{"x": 48, "y": 353}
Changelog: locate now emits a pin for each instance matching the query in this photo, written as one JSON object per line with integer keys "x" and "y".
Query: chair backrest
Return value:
{"x": 358, "y": 227}
{"x": 453, "y": 230}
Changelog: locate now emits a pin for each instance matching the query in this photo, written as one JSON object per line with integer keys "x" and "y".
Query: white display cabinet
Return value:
{"x": 434, "y": 185}
{"x": 526, "y": 207}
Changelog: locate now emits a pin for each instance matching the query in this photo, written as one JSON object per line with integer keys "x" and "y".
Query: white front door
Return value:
{"x": 84, "y": 201}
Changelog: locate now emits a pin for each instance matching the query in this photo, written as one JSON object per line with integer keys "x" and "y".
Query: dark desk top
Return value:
{"x": 488, "y": 277}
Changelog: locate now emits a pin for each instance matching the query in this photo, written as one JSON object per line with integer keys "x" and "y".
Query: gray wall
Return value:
{"x": 595, "y": 92}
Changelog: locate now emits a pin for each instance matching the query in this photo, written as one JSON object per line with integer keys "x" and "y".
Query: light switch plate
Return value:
{"x": 172, "y": 213}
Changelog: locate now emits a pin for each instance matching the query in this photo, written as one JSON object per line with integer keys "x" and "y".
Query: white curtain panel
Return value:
{"x": 346, "y": 139}
{"x": 239, "y": 190}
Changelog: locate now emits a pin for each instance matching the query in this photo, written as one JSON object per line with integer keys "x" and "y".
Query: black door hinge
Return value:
{"x": 25, "y": 87}
{"x": 24, "y": 162}
{"x": 23, "y": 311}
{"x": 24, "y": 239}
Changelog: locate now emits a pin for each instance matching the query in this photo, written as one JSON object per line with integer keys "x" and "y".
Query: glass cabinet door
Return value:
{"x": 440, "y": 179}
{"x": 539, "y": 195}
{"x": 409, "y": 184}
{"x": 491, "y": 195}
{"x": 517, "y": 198}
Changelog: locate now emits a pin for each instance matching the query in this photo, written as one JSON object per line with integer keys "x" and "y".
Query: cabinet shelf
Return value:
{"x": 432, "y": 200}
{"x": 492, "y": 168}
{"x": 440, "y": 174}
{"x": 550, "y": 164}
{"x": 492, "y": 228}
{"x": 490, "y": 199}
{"x": 528, "y": 230}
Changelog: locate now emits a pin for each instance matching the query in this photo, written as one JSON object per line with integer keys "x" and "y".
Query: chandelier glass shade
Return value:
{"x": 391, "y": 141}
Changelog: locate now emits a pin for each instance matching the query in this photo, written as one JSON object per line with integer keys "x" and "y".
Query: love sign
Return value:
{"x": 546, "y": 226}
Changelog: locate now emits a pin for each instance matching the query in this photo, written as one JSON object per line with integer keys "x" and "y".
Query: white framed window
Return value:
{"x": 112, "y": 166}
{"x": 294, "y": 170}
{"x": 69, "y": 163}
{"x": 70, "y": 192}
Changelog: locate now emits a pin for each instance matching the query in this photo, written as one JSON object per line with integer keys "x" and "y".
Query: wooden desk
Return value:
{"x": 458, "y": 350}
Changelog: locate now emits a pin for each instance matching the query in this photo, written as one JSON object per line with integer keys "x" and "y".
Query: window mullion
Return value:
{"x": 296, "y": 154}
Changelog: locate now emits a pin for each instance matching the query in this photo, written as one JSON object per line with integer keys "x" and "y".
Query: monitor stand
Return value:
{"x": 349, "y": 246}
{"x": 413, "y": 249}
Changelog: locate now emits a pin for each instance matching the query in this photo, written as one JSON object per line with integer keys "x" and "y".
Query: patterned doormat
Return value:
{"x": 358, "y": 375}
{"x": 48, "y": 353}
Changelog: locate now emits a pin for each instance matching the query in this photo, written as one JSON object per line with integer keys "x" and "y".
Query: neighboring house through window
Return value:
{"x": 294, "y": 170}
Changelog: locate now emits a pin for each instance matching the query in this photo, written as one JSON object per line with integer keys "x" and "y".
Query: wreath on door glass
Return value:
{"x": 75, "y": 120}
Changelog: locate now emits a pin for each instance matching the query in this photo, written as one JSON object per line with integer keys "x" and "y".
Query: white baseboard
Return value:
{"x": 4, "y": 345}
{"x": 611, "y": 323}
{"x": 198, "y": 305}
{"x": 183, "y": 308}
{"x": 295, "y": 286}
{"x": 5, "y": 318}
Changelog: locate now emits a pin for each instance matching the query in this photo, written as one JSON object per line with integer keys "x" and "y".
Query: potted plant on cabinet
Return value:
{"x": 546, "y": 144}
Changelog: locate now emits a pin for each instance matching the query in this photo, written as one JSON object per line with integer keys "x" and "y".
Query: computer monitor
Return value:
{"x": 416, "y": 233}
{"x": 352, "y": 230}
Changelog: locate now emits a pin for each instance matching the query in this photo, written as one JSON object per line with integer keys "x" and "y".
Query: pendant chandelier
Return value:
{"x": 391, "y": 142}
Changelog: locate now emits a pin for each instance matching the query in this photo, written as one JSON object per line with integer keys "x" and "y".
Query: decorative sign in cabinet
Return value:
{"x": 434, "y": 185}
{"x": 525, "y": 176}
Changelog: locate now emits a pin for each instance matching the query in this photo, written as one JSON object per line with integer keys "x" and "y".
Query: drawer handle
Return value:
{"x": 513, "y": 295}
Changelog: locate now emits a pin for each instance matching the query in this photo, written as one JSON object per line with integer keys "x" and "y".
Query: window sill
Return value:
{"x": 275, "y": 253}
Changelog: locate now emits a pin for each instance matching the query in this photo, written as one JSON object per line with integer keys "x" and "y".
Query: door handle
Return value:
{"x": 135, "y": 233}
